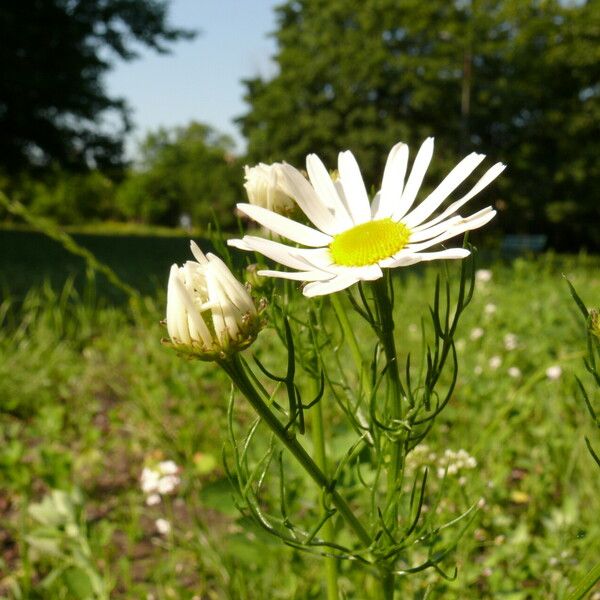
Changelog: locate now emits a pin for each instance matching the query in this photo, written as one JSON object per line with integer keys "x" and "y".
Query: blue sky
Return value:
{"x": 201, "y": 79}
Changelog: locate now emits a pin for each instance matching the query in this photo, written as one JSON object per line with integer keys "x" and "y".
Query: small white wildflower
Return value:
{"x": 554, "y": 372}
{"x": 168, "y": 467}
{"x": 167, "y": 484}
{"x": 162, "y": 526}
{"x": 514, "y": 372}
{"x": 495, "y": 362}
{"x": 476, "y": 333}
{"x": 510, "y": 341}
{"x": 478, "y": 370}
{"x": 149, "y": 480}
{"x": 490, "y": 309}
{"x": 153, "y": 499}
{"x": 483, "y": 275}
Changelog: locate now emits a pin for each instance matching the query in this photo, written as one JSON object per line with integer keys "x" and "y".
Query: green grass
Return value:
{"x": 88, "y": 396}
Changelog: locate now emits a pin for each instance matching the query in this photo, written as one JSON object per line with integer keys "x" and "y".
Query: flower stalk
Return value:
{"x": 234, "y": 368}
{"x": 385, "y": 331}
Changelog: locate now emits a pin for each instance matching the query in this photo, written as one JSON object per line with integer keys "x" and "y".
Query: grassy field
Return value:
{"x": 88, "y": 397}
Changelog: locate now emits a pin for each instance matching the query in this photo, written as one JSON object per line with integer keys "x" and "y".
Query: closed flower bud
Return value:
{"x": 263, "y": 186}
{"x": 210, "y": 314}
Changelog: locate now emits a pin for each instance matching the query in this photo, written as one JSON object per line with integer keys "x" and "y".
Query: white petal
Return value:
{"x": 195, "y": 327}
{"x": 286, "y": 255}
{"x": 354, "y": 188}
{"x": 415, "y": 179}
{"x": 473, "y": 222}
{"x": 411, "y": 259}
{"x": 286, "y": 227}
{"x": 431, "y": 232}
{"x": 450, "y": 253}
{"x": 487, "y": 178}
{"x": 176, "y": 316}
{"x": 393, "y": 181}
{"x": 464, "y": 168}
{"x": 400, "y": 260}
{"x": 375, "y": 204}
{"x": 297, "y": 275}
{"x": 198, "y": 254}
{"x": 326, "y": 190}
{"x": 297, "y": 187}
{"x": 234, "y": 289}
{"x": 320, "y": 288}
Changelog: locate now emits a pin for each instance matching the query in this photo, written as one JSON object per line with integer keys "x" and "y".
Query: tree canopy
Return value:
{"x": 53, "y": 55}
{"x": 517, "y": 80}
{"x": 188, "y": 170}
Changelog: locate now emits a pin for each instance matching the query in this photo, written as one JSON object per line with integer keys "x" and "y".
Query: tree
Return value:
{"x": 53, "y": 55}
{"x": 189, "y": 170}
{"x": 517, "y": 80}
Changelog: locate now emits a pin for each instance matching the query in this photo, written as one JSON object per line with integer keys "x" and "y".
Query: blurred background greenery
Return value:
{"x": 517, "y": 80}
{"x": 88, "y": 397}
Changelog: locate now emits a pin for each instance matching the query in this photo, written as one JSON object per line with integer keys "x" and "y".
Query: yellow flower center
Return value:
{"x": 368, "y": 243}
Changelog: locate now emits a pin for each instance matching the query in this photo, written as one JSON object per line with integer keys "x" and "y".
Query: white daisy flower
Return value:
{"x": 352, "y": 239}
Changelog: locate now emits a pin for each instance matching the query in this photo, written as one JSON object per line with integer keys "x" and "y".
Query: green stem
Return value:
{"x": 327, "y": 530}
{"x": 387, "y": 586}
{"x": 386, "y": 336}
{"x": 357, "y": 357}
{"x": 238, "y": 375}
{"x": 585, "y": 584}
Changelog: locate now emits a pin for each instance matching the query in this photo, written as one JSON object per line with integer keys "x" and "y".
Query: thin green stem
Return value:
{"x": 357, "y": 357}
{"x": 327, "y": 530}
{"x": 386, "y": 336}
{"x": 238, "y": 375}
{"x": 387, "y": 586}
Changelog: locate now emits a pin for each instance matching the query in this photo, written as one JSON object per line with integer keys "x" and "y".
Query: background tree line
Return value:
{"x": 516, "y": 79}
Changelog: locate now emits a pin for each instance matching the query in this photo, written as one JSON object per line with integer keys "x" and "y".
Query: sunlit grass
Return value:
{"x": 88, "y": 395}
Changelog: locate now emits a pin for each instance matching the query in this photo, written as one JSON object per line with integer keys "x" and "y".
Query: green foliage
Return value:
{"x": 87, "y": 394}
{"x": 66, "y": 197}
{"x": 515, "y": 80}
{"x": 187, "y": 170}
{"x": 52, "y": 95}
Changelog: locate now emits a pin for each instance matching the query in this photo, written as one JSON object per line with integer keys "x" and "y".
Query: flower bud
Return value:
{"x": 264, "y": 189}
{"x": 210, "y": 314}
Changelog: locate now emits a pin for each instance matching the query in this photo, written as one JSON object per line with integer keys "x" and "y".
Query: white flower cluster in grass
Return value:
{"x": 490, "y": 309}
{"x": 451, "y": 462}
{"x": 483, "y": 275}
{"x": 476, "y": 333}
{"x": 554, "y": 372}
{"x": 514, "y": 372}
{"x": 162, "y": 526}
{"x": 495, "y": 362}
{"x": 159, "y": 480}
{"x": 511, "y": 342}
